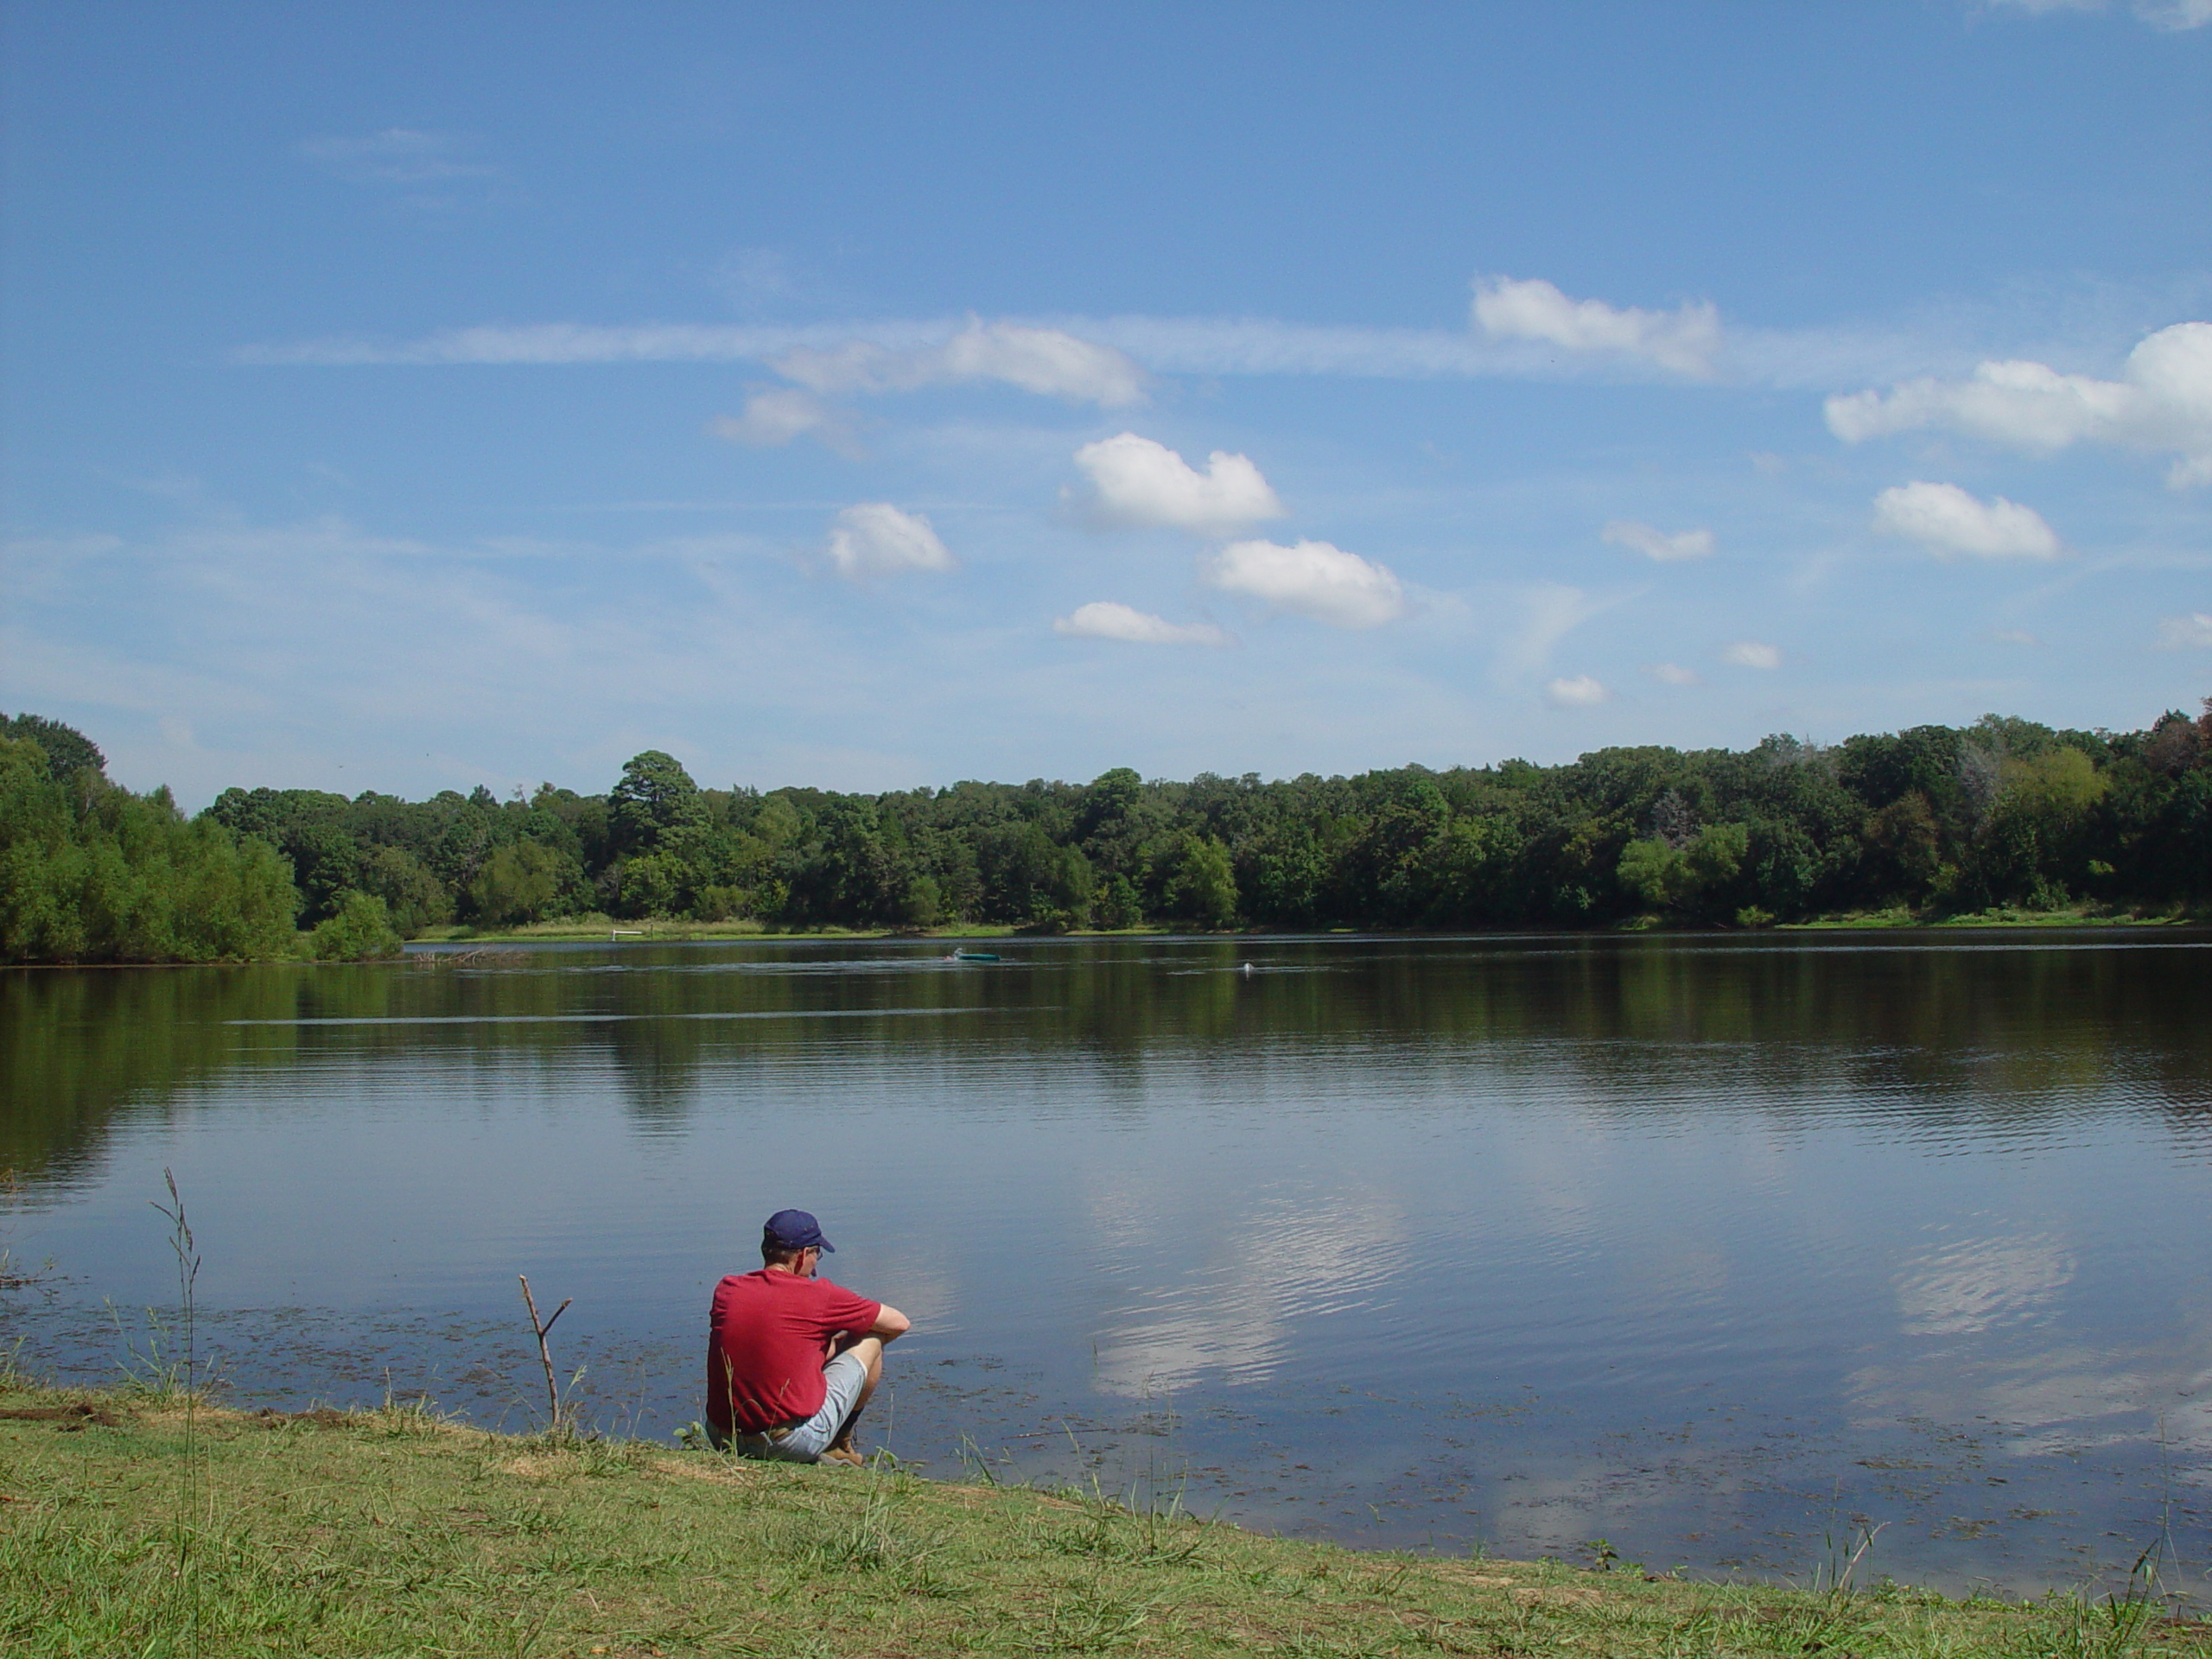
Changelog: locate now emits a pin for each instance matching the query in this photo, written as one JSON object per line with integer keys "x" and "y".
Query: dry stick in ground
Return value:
{"x": 544, "y": 1354}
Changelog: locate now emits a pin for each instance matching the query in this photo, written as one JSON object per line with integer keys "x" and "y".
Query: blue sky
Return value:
{"x": 869, "y": 396}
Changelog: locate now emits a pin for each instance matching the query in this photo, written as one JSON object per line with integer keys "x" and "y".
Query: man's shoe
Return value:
{"x": 845, "y": 1455}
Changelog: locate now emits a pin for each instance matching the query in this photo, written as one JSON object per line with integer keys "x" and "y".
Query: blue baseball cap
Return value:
{"x": 794, "y": 1229}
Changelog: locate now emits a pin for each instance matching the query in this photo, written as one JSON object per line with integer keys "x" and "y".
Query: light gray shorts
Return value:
{"x": 845, "y": 1376}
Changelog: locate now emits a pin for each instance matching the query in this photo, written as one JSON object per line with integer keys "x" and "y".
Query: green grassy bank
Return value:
{"x": 129, "y": 1526}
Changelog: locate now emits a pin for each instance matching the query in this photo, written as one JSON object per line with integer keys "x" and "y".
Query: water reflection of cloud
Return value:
{"x": 2044, "y": 1396}
{"x": 1233, "y": 1319}
{"x": 1962, "y": 1288}
{"x": 1993, "y": 1305}
{"x": 927, "y": 1291}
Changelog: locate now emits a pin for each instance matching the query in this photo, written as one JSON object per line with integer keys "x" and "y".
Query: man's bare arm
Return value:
{"x": 890, "y": 1325}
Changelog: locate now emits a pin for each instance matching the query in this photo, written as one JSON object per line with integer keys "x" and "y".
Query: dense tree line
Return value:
{"x": 1939, "y": 820}
{"x": 92, "y": 873}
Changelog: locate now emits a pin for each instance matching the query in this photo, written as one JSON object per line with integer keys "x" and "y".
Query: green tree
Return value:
{"x": 1696, "y": 879}
{"x": 654, "y": 884}
{"x": 655, "y": 796}
{"x": 1203, "y": 887}
{"x": 414, "y": 898}
{"x": 1904, "y": 851}
{"x": 1116, "y": 905}
{"x": 1108, "y": 800}
{"x": 67, "y": 750}
{"x": 97, "y": 874}
{"x": 1470, "y": 873}
{"x": 522, "y": 883}
{"x": 2034, "y": 848}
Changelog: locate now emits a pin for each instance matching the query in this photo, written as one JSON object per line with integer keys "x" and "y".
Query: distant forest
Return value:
{"x": 1937, "y": 821}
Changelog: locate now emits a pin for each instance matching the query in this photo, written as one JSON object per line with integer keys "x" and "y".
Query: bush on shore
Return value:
{"x": 360, "y": 931}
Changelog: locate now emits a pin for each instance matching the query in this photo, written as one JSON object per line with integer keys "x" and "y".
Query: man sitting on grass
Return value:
{"x": 792, "y": 1358}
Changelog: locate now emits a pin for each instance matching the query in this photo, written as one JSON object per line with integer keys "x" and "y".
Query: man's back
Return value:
{"x": 768, "y": 1335}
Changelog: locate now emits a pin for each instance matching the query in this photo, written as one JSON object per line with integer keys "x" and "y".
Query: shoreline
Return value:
{"x": 596, "y": 931}
{"x": 435, "y": 941}
{"x": 130, "y": 1517}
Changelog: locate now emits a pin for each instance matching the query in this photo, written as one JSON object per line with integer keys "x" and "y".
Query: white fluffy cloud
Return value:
{"x": 1683, "y": 340}
{"x": 1137, "y": 481}
{"x": 1043, "y": 361}
{"x": 1945, "y": 519}
{"x": 1657, "y": 545}
{"x": 1312, "y": 578}
{"x": 2193, "y": 632}
{"x": 1106, "y": 619}
{"x": 1749, "y": 653}
{"x": 876, "y": 539}
{"x": 774, "y": 417}
{"x": 1578, "y": 692}
{"x": 2163, "y": 401}
{"x": 1674, "y": 674}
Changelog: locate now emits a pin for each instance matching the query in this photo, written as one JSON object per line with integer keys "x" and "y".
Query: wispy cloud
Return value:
{"x": 1107, "y": 619}
{"x": 469, "y": 660}
{"x": 1050, "y": 362}
{"x": 2173, "y": 15}
{"x": 1657, "y": 545}
{"x": 1550, "y": 611}
{"x": 396, "y": 157}
{"x": 1684, "y": 340}
{"x": 2190, "y": 632}
{"x": 775, "y": 416}
{"x": 1211, "y": 345}
{"x": 752, "y": 278}
{"x": 1577, "y": 691}
{"x": 564, "y": 343}
{"x": 1674, "y": 674}
{"x": 891, "y": 353}
{"x": 1946, "y": 520}
{"x": 1135, "y": 480}
{"x": 1751, "y": 653}
{"x": 876, "y": 539}
{"x": 466, "y": 665}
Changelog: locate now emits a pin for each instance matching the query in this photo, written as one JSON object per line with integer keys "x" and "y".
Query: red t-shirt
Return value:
{"x": 767, "y": 1340}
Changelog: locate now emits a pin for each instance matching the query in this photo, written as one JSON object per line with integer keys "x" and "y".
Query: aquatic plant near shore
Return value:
{"x": 185, "y": 1250}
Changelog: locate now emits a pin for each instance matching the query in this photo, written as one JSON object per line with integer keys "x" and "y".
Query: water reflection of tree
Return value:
{"x": 77, "y": 1046}
{"x": 1995, "y": 1031}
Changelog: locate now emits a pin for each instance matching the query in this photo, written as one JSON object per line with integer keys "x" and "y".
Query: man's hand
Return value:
{"x": 890, "y": 1325}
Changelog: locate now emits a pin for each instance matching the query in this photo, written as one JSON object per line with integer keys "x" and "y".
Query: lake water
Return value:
{"x": 1717, "y": 1249}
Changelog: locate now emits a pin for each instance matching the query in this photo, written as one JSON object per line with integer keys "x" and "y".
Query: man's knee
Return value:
{"x": 870, "y": 1352}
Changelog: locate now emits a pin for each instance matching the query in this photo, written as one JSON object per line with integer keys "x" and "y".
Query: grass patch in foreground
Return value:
{"x": 391, "y": 1532}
